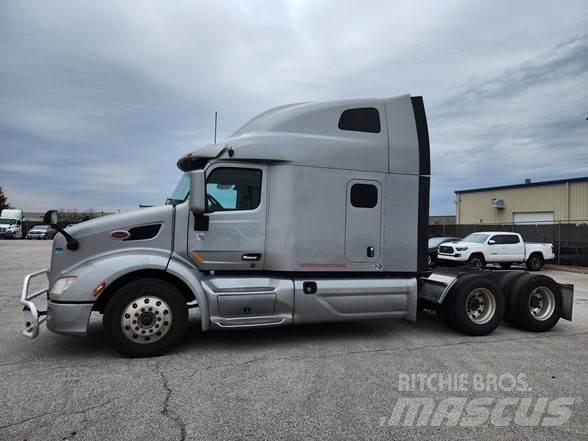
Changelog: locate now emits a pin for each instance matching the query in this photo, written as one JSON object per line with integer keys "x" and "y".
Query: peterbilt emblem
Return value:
{"x": 120, "y": 234}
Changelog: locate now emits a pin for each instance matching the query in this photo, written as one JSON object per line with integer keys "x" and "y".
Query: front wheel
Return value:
{"x": 146, "y": 317}
{"x": 476, "y": 261}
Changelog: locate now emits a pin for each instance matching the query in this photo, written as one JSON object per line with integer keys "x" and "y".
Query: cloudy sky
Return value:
{"x": 99, "y": 99}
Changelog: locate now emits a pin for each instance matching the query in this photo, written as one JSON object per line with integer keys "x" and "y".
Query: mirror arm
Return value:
{"x": 72, "y": 244}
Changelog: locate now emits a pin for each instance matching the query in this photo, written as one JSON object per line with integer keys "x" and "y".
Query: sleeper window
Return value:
{"x": 232, "y": 188}
{"x": 364, "y": 119}
{"x": 364, "y": 195}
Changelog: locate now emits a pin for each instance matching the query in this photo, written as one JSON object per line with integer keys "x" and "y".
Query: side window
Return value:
{"x": 232, "y": 188}
{"x": 511, "y": 239}
{"x": 497, "y": 239}
{"x": 363, "y": 119}
{"x": 364, "y": 195}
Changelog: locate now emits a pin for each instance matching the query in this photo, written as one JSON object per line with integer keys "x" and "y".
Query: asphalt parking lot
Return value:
{"x": 330, "y": 381}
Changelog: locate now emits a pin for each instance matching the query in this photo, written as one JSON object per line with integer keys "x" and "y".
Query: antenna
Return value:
{"x": 215, "y": 119}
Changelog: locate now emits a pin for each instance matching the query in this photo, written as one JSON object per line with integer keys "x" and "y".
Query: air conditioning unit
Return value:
{"x": 497, "y": 203}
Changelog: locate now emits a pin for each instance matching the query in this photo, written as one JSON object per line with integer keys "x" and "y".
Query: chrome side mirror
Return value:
{"x": 198, "y": 191}
{"x": 50, "y": 217}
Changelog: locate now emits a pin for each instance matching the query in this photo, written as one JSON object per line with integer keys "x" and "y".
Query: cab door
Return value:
{"x": 363, "y": 221}
{"x": 514, "y": 248}
{"x": 230, "y": 235}
{"x": 495, "y": 248}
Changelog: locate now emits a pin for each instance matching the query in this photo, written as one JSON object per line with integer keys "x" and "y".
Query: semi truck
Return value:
{"x": 310, "y": 212}
{"x": 11, "y": 220}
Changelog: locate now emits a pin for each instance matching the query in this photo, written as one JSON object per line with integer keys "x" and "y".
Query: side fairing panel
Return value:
{"x": 402, "y": 136}
{"x": 355, "y": 299}
{"x": 400, "y": 223}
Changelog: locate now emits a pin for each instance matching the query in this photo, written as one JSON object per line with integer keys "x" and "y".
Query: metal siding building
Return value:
{"x": 537, "y": 202}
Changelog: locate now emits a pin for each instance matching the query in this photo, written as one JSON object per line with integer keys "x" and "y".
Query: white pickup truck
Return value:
{"x": 500, "y": 247}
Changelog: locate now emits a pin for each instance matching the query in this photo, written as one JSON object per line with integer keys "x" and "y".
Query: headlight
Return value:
{"x": 61, "y": 285}
{"x": 461, "y": 248}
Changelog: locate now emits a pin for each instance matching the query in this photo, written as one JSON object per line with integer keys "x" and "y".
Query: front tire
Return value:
{"x": 476, "y": 261}
{"x": 146, "y": 317}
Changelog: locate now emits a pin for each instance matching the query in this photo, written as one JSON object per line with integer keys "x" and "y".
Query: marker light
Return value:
{"x": 197, "y": 257}
{"x": 99, "y": 289}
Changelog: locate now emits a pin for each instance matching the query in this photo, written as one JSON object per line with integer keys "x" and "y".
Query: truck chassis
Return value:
{"x": 473, "y": 302}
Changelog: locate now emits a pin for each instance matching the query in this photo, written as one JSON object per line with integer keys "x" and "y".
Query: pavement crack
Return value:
{"x": 166, "y": 410}
{"x": 60, "y": 413}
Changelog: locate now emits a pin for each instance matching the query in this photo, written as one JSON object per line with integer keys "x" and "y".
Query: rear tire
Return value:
{"x": 476, "y": 307}
{"x": 536, "y": 303}
{"x": 506, "y": 285}
{"x": 146, "y": 317}
{"x": 535, "y": 262}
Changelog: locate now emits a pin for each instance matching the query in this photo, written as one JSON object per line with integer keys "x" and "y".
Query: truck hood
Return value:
{"x": 119, "y": 221}
{"x": 462, "y": 244}
{"x": 95, "y": 237}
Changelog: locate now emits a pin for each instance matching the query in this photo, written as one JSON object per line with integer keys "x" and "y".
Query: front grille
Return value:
{"x": 445, "y": 249}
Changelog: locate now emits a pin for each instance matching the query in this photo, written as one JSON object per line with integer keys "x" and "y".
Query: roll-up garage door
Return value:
{"x": 536, "y": 217}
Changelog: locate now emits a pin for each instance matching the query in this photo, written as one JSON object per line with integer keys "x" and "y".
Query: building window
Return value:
{"x": 364, "y": 119}
{"x": 364, "y": 195}
{"x": 232, "y": 188}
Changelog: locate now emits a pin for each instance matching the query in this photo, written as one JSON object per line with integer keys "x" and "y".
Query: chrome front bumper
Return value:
{"x": 33, "y": 317}
{"x": 69, "y": 318}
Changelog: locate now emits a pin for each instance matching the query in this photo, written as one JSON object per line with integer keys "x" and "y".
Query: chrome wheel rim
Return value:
{"x": 535, "y": 263}
{"x": 541, "y": 303}
{"x": 146, "y": 320}
{"x": 480, "y": 306}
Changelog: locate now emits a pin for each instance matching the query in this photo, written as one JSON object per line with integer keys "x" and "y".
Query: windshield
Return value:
{"x": 181, "y": 191}
{"x": 7, "y": 221}
{"x": 476, "y": 238}
{"x": 40, "y": 228}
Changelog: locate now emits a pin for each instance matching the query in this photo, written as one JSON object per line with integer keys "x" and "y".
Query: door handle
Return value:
{"x": 251, "y": 257}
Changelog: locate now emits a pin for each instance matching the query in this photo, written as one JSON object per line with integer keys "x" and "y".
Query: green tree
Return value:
{"x": 3, "y": 200}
